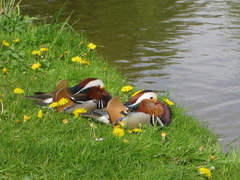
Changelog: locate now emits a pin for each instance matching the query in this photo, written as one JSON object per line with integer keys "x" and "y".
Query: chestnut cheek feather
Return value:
{"x": 148, "y": 107}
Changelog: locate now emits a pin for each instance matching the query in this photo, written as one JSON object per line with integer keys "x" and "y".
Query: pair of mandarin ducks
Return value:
{"x": 89, "y": 94}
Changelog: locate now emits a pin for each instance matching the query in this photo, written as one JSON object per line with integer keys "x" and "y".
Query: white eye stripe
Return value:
{"x": 96, "y": 82}
{"x": 147, "y": 95}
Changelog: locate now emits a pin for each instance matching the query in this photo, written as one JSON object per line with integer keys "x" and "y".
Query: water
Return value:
{"x": 190, "y": 48}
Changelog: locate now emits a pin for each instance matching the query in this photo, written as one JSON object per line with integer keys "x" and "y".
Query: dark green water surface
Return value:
{"x": 191, "y": 48}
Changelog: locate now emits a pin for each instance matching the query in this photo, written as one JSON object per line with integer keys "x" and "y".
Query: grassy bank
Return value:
{"x": 59, "y": 146}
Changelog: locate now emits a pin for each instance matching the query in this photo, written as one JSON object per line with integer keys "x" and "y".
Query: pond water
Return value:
{"x": 189, "y": 48}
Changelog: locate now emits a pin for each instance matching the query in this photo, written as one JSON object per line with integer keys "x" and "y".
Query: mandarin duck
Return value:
{"x": 142, "y": 108}
{"x": 90, "y": 98}
{"x": 146, "y": 101}
{"x": 45, "y": 99}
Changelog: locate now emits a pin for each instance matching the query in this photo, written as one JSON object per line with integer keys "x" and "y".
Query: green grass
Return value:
{"x": 46, "y": 148}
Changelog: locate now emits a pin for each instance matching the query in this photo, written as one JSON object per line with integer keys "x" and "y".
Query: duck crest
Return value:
{"x": 85, "y": 84}
{"x": 138, "y": 95}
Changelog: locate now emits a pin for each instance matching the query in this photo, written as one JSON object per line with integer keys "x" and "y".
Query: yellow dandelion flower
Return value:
{"x": 62, "y": 102}
{"x": 137, "y": 130}
{"x": 117, "y": 131}
{"x": 5, "y": 43}
{"x": 40, "y": 114}
{"x": 26, "y": 118}
{"x": 36, "y": 66}
{"x": 76, "y": 59}
{"x": 134, "y": 94}
{"x": 126, "y": 88}
{"x": 65, "y": 121}
{"x": 91, "y": 46}
{"x": 18, "y": 91}
{"x": 53, "y": 105}
{"x": 170, "y": 103}
{"x": 206, "y": 172}
{"x": 4, "y": 70}
{"x": 85, "y": 62}
{"x": 78, "y": 111}
{"x": 163, "y": 134}
{"x": 43, "y": 49}
{"x": 36, "y": 52}
{"x": 17, "y": 40}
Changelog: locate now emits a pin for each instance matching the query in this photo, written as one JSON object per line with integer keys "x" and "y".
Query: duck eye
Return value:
{"x": 98, "y": 86}
{"x": 151, "y": 97}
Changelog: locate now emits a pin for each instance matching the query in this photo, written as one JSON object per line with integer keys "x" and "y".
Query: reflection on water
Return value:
{"x": 190, "y": 48}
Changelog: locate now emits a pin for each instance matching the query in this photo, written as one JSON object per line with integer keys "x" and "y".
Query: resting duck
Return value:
{"x": 90, "y": 98}
{"x": 142, "y": 108}
{"x": 146, "y": 101}
{"x": 45, "y": 99}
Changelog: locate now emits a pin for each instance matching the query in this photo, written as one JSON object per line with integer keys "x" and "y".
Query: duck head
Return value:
{"x": 85, "y": 84}
{"x": 146, "y": 101}
{"x": 140, "y": 96}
